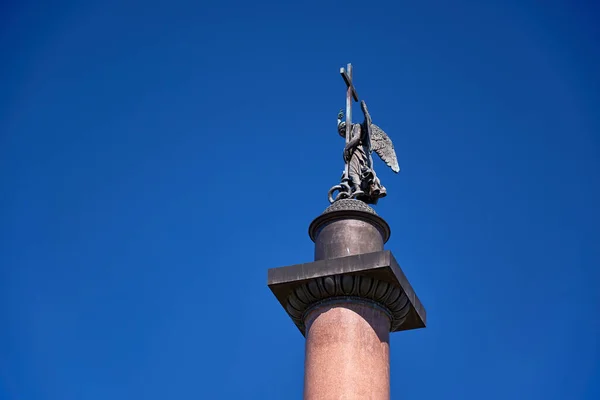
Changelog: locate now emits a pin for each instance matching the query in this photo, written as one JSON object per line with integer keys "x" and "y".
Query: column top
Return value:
{"x": 349, "y": 209}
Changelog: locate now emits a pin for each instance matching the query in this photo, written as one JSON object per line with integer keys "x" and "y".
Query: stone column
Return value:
{"x": 346, "y": 303}
{"x": 347, "y": 351}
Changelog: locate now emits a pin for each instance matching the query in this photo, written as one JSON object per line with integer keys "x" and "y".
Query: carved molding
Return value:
{"x": 349, "y": 209}
{"x": 388, "y": 295}
{"x": 349, "y": 204}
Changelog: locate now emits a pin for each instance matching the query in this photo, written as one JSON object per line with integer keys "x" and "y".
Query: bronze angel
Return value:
{"x": 359, "y": 180}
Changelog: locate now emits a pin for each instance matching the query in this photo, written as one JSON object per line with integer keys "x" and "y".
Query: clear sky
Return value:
{"x": 156, "y": 158}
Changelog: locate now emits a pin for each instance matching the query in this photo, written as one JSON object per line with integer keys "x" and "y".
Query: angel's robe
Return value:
{"x": 360, "y": 169}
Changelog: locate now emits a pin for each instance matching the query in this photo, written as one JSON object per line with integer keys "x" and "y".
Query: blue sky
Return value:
{"x": 157, "y": 158}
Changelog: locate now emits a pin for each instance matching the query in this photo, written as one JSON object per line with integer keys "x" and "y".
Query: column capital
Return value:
{"x": 375, "y": 277}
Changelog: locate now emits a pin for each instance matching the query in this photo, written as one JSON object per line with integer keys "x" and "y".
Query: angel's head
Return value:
{"x": 341, "y": 125}
{"x": 342, "y": 128}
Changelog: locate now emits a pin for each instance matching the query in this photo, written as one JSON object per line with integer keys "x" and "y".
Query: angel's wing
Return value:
{"x": 383, "y": 146}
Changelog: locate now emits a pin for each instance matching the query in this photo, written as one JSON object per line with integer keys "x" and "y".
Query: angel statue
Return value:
{"x": 359, "y": 180}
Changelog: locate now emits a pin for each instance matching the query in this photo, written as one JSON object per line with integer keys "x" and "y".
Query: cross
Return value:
{"x": 350, "y": 93}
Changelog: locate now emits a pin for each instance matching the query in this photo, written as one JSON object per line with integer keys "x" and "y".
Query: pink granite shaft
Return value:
{"x": 347, "y": 352}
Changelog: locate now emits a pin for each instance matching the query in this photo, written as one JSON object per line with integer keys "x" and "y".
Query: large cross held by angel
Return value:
{"x": 359, "y": 180}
